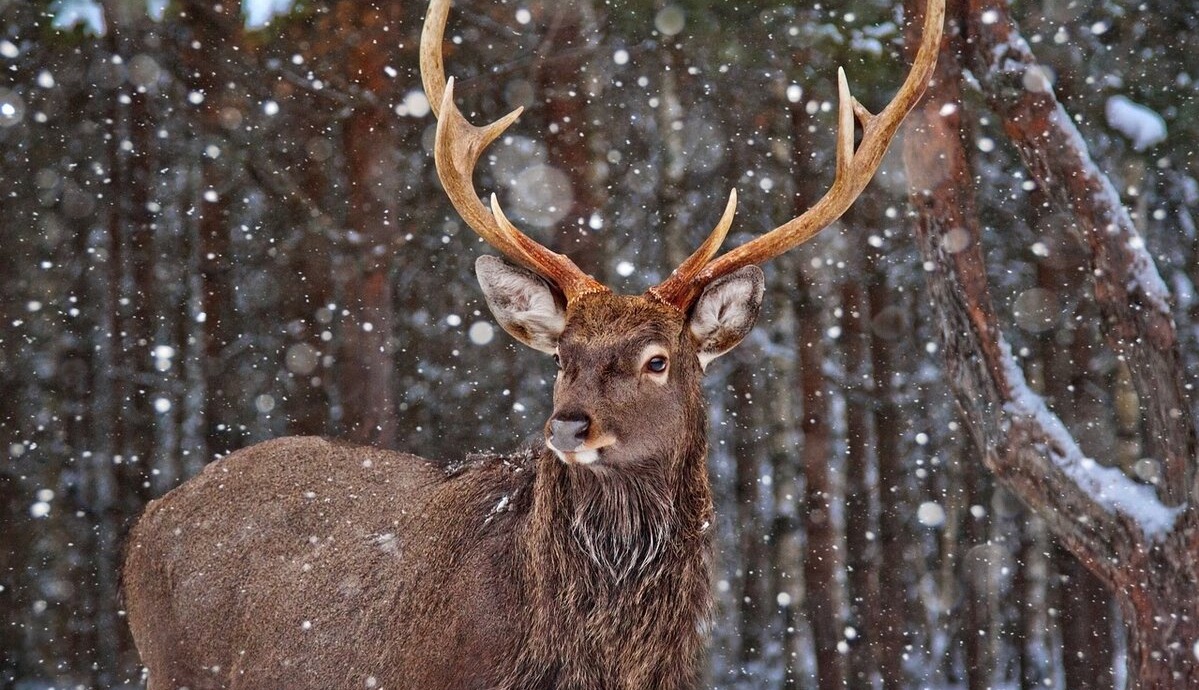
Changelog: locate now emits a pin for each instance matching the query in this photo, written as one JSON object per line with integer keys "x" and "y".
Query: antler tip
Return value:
{"x": 495, "y": 208}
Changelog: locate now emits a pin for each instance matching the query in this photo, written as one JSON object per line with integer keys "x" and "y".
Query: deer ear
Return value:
{"x": 725, "y": 312}
{"x": 522, "y": 302}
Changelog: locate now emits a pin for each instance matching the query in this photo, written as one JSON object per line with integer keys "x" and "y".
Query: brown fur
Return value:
{"x": 302, "y": 563}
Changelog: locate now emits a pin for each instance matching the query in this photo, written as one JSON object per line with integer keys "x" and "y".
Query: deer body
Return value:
{"x": 333, "y": 565}
{"x": 354, "y": 564}
{"x": 580, "y": 564}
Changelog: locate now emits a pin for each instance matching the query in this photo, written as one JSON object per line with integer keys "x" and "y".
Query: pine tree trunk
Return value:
{"x": 860, "y": 487}
{"x": 890, "y": 635}
{"x": 822, "y": 597}
{"x": 368, "y": 372}
{"x": 753, "y": 552}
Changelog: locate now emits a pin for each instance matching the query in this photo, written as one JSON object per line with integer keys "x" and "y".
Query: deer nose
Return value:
{"x": 568, "y": 434}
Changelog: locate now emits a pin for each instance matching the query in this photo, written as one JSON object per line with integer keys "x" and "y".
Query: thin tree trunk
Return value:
{"x": 785, "y": 539}
{"x": 211, "y": 26}
{"x": 891, "y": 634}
{"x": 1086, "y": 626}
{"x": 563, "y": 86}
{"x": 861, "y": 505}
{"x": 979, "y": 581}
{"x": 754, "y": 555}
{"x": 367, "y": 375}
{"x": 821, "y": 558}
{"x": 1032, "y": 619}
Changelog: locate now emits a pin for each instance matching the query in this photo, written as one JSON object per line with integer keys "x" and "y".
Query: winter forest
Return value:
{"x": 957, "y": 450}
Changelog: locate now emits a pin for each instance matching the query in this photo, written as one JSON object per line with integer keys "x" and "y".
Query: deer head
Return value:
{"x": 630, "y": 366}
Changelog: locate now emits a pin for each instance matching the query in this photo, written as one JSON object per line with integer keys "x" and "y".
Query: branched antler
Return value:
{"x": 459, "y": 145}
{"x": 456, "y": 152}
{"x": 854, "y": 170}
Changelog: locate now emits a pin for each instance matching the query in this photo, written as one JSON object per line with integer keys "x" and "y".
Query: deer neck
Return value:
{"x": 615, "y": 563}
{"x": 606, "y": 528}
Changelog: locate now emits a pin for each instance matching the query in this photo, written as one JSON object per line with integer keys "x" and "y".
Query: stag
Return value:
{"x": 581, "y": 563}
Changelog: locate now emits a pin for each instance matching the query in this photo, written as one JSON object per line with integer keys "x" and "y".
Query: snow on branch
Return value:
{"x": 1110, "y": 489}
{"x": 1143, "y": 278}
{"x": 1139, "y": 123}
{"x": 1102, "y": 516}
{"x": 1130, "y": 293}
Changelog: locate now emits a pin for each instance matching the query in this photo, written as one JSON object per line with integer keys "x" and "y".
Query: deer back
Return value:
{"x": 306, "y": 563}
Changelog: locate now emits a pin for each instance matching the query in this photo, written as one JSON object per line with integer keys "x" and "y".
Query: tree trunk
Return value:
{"x": 1163, "y": 627}
{"x": 367, "y": 370}
{"x": 564, "y": 90}
{"x": 1086, "y": 625}
{"x": 861, "y": 533}
{"x": 891, "y": 635}
{"x": 822, "y": 597}
{"x": 754, "y": 555}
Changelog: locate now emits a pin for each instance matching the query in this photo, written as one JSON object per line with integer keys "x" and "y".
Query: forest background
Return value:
{"x": 223, "y": 226}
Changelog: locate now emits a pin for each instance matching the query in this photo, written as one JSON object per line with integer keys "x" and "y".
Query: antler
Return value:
{"x": 854, "y": 170}
{"x": 456, "y": 151}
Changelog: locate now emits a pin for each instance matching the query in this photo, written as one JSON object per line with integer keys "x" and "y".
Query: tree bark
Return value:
{"x": 1086, "y": 626}
{"x": 563, "y": 83}
{"x": 822, "y": 597}
{"x": 861, "y": 505}
{"x": 890, "y": 635}
{"x": 754, "y": 555}
{"x": 367, "y": 370}
{"x": 213, "y": 26}
{"x": 1132, "y": 299}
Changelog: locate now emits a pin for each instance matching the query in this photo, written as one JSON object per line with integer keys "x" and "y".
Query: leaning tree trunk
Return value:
{"x": 1141, "y": 541}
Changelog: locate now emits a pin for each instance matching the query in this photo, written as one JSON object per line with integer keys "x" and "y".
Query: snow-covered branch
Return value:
{"x": 1108, "y": 487}
{"x": 1132, "y": 297}
{"x": 1099, "y": 514}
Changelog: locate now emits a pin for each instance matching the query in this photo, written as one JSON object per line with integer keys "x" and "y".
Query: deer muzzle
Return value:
{"x": 568, "y": 435}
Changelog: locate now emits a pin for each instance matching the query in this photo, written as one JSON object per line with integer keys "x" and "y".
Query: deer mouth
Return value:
{"x": 585, "y": 454}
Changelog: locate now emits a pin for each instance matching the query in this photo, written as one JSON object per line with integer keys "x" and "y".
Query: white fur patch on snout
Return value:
{"x": 583, "y": 456}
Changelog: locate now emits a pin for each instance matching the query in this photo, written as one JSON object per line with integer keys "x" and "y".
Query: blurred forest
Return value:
{"x": 224, "y": 226}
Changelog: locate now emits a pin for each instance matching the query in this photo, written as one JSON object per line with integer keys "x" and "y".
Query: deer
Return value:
{"x": 581, "y": 562}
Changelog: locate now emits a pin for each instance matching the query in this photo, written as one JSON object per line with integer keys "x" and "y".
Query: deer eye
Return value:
{"x": 656, "y": 364}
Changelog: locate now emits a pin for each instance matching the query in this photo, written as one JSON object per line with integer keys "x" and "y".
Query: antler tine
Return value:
{"x": 456, "y": 151}
{"x": 700, "y": 257}
{"x": 855, "y": 168}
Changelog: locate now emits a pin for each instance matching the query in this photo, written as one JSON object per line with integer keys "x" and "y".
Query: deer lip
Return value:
{"x": 586, "y": 454}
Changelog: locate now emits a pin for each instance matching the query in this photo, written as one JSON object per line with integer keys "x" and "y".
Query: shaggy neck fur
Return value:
{"x": 620, "y": 520}
{"x": 617, "y": 566}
